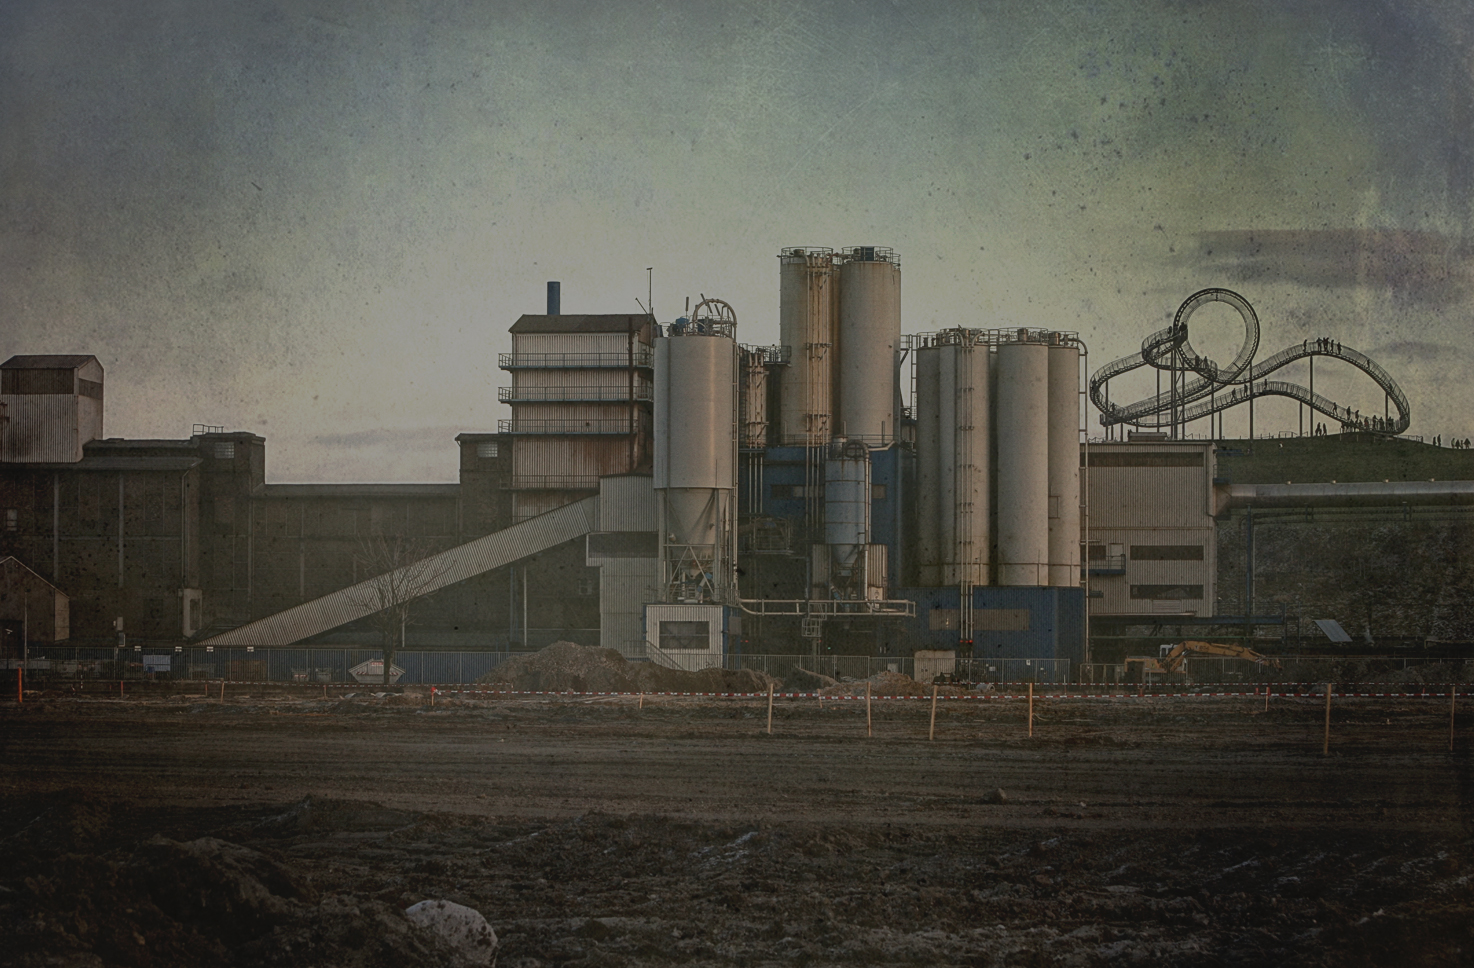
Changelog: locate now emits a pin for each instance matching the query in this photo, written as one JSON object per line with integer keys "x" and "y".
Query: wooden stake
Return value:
{"x": 1326, "y": 746}
{"x": 20, "y": 690}
{"x": 1266, "y": 699}
{"x": 432, "y": 697}
{"x": 931, "y": 733}
{"x": 770, "y": 709}
{"x": 222, "y": 690}
{"x": 1453, "y": 698}
{"x": 642, "y": 701}
{"x": 1031, "y": 709}
{"x": 869, "y": 731}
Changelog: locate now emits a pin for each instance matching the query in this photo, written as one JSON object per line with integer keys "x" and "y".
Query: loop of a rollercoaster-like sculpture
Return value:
{"x": 1206, "y": 388}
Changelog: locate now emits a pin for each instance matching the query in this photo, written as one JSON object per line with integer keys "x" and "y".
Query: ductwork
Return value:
{"x": 1226, "y": 497}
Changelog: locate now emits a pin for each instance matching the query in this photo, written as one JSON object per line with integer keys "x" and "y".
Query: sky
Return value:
{"x": 316, "y": 220}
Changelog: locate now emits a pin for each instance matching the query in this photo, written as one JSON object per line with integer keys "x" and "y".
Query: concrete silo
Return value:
{"x": 1064, "y": 461}
{"x": 868, "y": 337}
{"x": 848, "y": 565}
{"x": 953, "y": 437}
{"x": 806, "y": 320}
{"x": 1023, "y": 460}
{"x": 696, "y": 436}
{"x": 753, "y": 399}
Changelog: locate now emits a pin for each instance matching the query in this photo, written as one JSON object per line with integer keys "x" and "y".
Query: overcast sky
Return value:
{"x": 316, "y": 220}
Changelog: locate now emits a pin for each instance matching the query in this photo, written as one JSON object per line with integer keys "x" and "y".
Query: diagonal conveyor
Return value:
{"x": 453, "y": 565}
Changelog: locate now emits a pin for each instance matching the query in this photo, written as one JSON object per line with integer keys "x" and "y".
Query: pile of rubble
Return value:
{"x": 567, "y": 666}
{"x": 887, "y": 683}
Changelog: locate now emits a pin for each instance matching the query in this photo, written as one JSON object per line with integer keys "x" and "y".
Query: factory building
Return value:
{"x": 663, "y": 490}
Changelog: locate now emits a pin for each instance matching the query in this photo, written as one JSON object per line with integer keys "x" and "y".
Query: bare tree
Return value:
{"x": 403, "y": 570}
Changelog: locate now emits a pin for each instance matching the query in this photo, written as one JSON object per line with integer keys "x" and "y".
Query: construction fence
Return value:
{"x": 461, "y": 667}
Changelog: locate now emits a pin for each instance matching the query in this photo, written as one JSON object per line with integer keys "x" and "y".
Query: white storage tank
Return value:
{"x": 806, "y": 320}
{"x": 868, "y": 338}
{"x": 1023, "y": 461}
{"x": 953, "y": 436}
{"x": 847, "y": 515}
{"x": 695, "y": 451}
{"x": 1064, "y": 461}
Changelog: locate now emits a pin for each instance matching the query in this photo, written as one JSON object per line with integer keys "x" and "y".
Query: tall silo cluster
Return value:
{"x": 997, "y": 440}
{"x": 840, "y": 316}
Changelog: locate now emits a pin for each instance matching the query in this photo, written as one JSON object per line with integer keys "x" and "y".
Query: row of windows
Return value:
{"x": 1100, "y": 552}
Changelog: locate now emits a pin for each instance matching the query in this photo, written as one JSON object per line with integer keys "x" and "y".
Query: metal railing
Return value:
{"x": 642, "y": 357}
{"x": 609, "y": 426}
{"x": 640, "y": 392}
{"x": 554, "y": 482}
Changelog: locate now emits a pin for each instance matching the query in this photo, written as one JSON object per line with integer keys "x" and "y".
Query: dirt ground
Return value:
{"x": 1156, "y": 831}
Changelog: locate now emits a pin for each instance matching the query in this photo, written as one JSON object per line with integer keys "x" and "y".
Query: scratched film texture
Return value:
{"x": 315, "y": 220}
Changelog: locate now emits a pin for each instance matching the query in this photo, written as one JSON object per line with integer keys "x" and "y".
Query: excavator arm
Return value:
{"x": 1173, "y": 660}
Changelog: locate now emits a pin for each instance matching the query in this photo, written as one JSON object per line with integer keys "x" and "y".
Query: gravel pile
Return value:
{"x": 567, "y": 666}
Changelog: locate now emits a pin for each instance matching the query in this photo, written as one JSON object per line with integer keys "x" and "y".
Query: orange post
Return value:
{"x": 770, "y": 709}
{"x": 1326, "y": 746}
{"x": 1453, "y": 698}
{"x": 869, "y": 731}
{"x": 1031, "y": 709}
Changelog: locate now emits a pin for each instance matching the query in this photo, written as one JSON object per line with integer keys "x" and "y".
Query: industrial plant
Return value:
{"x": 673, "y": 493}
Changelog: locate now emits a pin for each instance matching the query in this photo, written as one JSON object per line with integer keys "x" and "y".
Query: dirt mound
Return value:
{"x": 567, "y": 666}
{"x": 887, "y": 683}
{"x": 807, "y": 681}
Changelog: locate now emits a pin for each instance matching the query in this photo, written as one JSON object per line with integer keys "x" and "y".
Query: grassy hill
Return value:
{"x": 1394, "y": 579}
{"x": 1340, "y": 457}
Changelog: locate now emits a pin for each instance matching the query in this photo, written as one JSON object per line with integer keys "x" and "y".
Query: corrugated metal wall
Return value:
{"x": 48, "y": 427}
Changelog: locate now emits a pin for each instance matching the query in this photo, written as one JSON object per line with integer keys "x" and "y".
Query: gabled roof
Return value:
{"x": 60, "y": 362}
{"x": 570, "y": 323}
{"x": 8, "y": 560}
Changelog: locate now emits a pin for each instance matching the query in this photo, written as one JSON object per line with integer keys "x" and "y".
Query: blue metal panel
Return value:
{"x": 1055, "y": 622}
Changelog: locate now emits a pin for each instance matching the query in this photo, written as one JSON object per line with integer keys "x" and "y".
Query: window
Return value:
{"x": 942, "y": 619}
{"x": 795, "y": 491}
{"x": 588, "y": 587}
{"x": 1171, "y": 592}
{"x": 877, "y": 492}
{"x": 685, "y": 635}
{"x": 486, "y": 449}
{"x": 12, "y": 519}
{"x": 225, "y": 450}
{"x": 1166, "y": 552}
{"x": 1000, "y": 619}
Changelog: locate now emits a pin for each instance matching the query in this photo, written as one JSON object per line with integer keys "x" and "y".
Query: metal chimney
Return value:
{"x": 553, "y": 298}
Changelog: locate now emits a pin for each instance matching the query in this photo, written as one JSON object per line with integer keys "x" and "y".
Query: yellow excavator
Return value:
{"x": 1139, "y": 667}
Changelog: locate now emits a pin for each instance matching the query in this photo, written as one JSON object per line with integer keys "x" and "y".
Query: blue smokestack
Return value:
{"x": 553, "y": 298}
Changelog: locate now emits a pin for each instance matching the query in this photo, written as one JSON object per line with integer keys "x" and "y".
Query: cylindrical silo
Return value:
{"x": 953, "y": 434}
{"x": 696, "y": 465}
{"x": 806, "y": 295}
{"x": 1023, "y": 462}
{"x": 929, "y": 469}
{"x": 1064, "y": 462}
{"x": 966, "y": 432}
{"x": 753, "y": 400}
{"x": 868, "y": 338}
{"x": 847, "y": 515}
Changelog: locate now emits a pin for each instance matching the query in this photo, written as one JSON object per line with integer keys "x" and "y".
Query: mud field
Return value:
{"x": 174, "y": 830}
